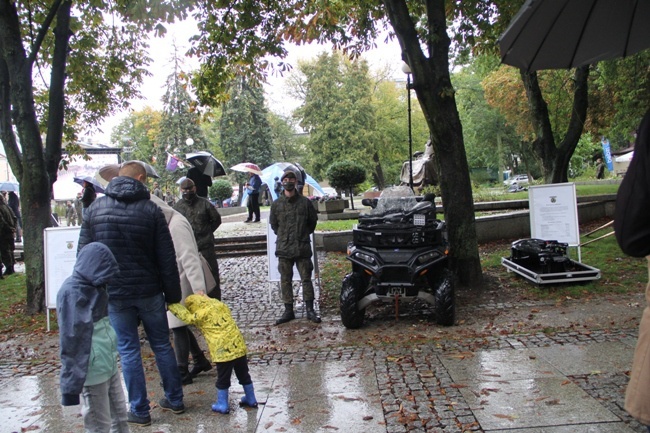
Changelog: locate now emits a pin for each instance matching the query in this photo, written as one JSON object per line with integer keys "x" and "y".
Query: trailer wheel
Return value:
{"x": 445, "y": 308}
{"x": 351, "y": 288}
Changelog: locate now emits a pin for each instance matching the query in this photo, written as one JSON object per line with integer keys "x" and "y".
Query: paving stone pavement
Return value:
{"x": 408, "y": 375}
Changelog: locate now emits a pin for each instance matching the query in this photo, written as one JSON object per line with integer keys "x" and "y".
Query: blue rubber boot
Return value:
{"x": 249, "y": 399}
{"x": 221, "y": 405}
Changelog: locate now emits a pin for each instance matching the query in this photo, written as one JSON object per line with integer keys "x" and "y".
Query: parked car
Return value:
{"x": 232, "y": 201}
{"x": 520, "y": 179}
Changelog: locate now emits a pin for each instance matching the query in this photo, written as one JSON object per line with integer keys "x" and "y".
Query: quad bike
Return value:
{"x": 398, "y": 254}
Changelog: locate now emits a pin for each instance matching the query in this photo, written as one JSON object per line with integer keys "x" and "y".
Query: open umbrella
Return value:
{"x": 9, "y": 186}
{"x": 91, "y": 180}
{"x": 247, "y": 167}
{"x": 278, "y": 169}
{"x": 562, "y": 34}
{"x": 105, "y": 174}
{"x": 206, "y": 163}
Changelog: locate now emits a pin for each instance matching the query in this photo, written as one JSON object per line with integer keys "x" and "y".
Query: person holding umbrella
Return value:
{"x": 88, "y": 197}
{"x": 253, "y": 186}
{"x": 7, "y": 236}
{"x": 202, "y": 181}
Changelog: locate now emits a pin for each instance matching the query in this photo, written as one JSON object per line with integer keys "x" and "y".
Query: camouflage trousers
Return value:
{"x": 305, "y": 267}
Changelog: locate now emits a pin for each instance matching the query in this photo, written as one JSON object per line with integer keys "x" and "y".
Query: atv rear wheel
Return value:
{"x": 444, "y": 293}
{"x": 351, "y": 289}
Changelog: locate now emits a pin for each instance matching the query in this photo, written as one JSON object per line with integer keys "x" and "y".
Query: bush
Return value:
{"x": 221, "y": 190}
{"x": 345, "y": 175}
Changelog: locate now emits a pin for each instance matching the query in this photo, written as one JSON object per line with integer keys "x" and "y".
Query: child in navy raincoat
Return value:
{"x": 89, "y": 343}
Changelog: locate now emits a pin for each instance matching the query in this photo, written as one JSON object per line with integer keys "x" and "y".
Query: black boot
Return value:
{"x": 9, "y": 270}
{"x": 287, "y": 316}
{"x": 201, "y": 364}
{"x": 186, "y": 379}
{"x": 311, "y": 314}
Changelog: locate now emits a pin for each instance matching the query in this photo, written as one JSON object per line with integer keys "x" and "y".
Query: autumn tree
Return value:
{"x": 137, "y": 133}
{"x": 180, "y": 127}
{"x": 95, "y": 57}
{"x": 235, "y": 38}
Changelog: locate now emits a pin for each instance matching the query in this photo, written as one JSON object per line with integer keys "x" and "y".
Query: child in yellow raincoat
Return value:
{"x": 226, "y": 344}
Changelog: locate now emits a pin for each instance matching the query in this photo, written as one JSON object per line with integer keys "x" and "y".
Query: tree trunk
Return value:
{"x": 432, "y": 84}
{"x": 555, "y": 160}
{"x": 378, "y": 174}
{"x": 29, "y": 166}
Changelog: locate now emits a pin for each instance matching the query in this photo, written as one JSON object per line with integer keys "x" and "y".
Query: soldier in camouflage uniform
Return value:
{"x": 7, "y": 236}
{"x": 204, "y": 219}
{"x": 293, "y": 219}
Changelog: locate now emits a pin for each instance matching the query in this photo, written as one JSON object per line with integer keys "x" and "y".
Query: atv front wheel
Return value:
{"x": 444, "y": 293}
{"x": 351, "y": 289}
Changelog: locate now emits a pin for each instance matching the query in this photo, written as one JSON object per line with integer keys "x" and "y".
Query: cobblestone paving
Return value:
{"x": 416, "y": 391}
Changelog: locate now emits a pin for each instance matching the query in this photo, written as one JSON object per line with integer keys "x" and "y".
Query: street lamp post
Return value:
{"x": 407, "y": 70}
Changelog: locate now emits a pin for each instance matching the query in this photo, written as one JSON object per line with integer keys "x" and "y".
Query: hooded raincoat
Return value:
{"x": 88, "y": 343}
{"x": 219, "y": 329}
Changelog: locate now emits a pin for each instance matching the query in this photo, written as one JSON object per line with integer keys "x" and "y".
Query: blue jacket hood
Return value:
{"x": 96, "y": 264}
{"x": 124, "y": 188}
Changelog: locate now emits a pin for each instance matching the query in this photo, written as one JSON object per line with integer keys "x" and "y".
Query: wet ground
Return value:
{"x": 509, "y": 365}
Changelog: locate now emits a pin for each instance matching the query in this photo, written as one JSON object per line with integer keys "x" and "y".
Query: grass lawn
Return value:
{"x": 620, "y": 274}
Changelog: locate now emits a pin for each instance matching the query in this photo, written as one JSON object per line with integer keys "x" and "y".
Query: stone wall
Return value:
{"x": 507, "y": 226}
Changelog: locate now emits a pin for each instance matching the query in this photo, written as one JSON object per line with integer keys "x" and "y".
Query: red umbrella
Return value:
{"x": 247, "y": 167}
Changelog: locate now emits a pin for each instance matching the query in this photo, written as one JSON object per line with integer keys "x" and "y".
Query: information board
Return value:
{"x": 554, "y": 213}
{"x": 60, "y": 246}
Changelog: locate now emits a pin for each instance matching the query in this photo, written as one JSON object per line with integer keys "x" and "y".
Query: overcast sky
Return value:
{"x": 275, "y": 91}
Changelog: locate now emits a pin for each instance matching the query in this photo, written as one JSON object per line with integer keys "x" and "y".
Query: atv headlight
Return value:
{"x": 419, "y": 220}
{"x": 428, "y": 257}
{"x": 365, "y": 257}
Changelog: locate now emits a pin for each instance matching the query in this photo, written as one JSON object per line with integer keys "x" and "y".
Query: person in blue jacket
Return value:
{"x": 88, "y": 343}
{"x": 135, "y": 230}
{"x": 253, "y": 186}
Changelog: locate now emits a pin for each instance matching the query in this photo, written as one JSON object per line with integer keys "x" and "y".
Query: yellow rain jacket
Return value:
{"x": 215, "y": 322}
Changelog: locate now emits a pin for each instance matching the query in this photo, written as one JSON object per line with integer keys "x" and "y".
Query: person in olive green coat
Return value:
{"x": 293, "y": 218}
{"x": 226, "y": 344}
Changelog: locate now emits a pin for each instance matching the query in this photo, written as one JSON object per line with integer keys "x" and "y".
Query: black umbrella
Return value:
{"x": 562, "y": 34}
{"x": 91, "y": 180}
{"x": 206, "y": 163}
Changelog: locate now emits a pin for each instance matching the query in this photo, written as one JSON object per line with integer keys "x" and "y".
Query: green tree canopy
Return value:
{"x": 244, "y": 126}
{"x": 345, "y": 175}
{"x": 95, "y": 55}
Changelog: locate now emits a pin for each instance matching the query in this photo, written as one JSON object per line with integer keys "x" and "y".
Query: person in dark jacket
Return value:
{"x": 204, "y": 219}
{"x": 7, "y": 236}
{"x": 88, "y": 343}
{"x": 632, "y": 228}
{"x": 202, "y": 181}
{"x": 135, "y": 230}
{"x": 14, "y": 204}
{"x": 293, "y": 219}
{"x": 88, "y": 197}
{"x": 253, "y": 187}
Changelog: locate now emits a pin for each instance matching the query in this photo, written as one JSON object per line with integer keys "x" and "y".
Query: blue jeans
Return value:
{"x": 125, "y": 315}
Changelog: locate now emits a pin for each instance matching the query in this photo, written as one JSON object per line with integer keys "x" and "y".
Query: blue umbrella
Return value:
{"x": 9, "y": 186}
{"x": 277, "y": 170}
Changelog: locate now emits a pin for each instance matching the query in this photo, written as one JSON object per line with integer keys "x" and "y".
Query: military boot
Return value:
{"x": 287, "y": 316}
{"x": 311, "y": 314}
